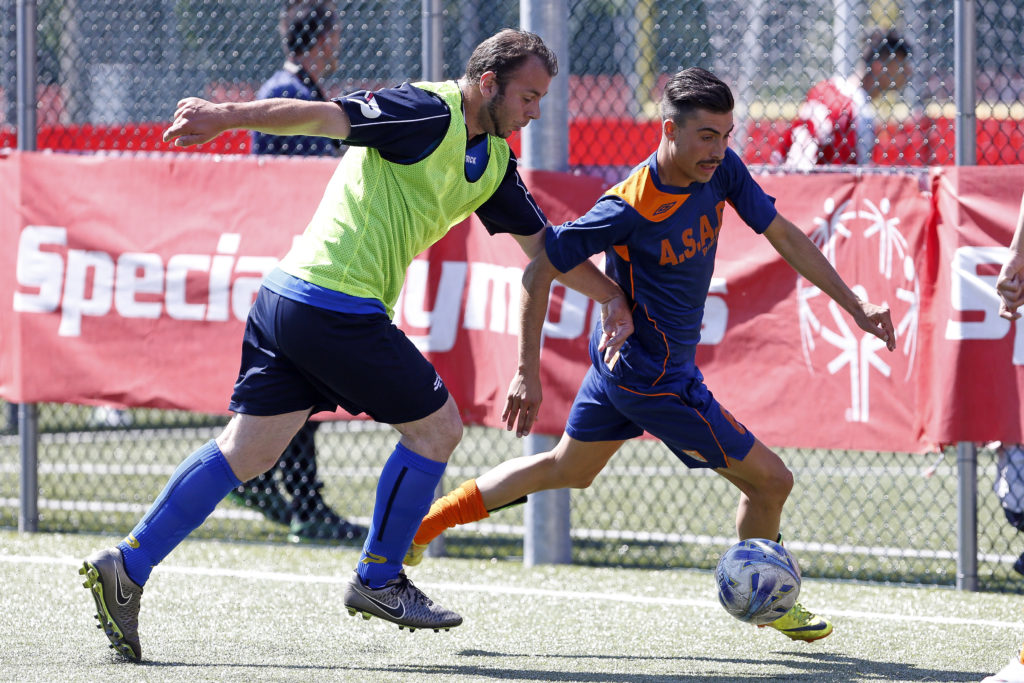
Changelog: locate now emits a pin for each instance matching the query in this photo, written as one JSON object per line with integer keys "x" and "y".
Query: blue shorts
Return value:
{"x": 681, "y": 412}
{"x": 296, "y": 356}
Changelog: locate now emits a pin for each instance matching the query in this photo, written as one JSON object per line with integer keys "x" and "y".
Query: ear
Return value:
{"x": 488, "y": 84}
{"x": 668, "y": 129}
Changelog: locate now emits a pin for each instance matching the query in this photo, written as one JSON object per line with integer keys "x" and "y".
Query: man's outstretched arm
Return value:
{"x": 586, "y": 278}
{"x": 522, "y": 404}
{"x": 197, "y": 121}
{"x": 801, "y": 253}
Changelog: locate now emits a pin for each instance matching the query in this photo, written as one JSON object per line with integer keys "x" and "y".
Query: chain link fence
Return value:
{"x": 109, "y": 73}
{"x": 852, "y": 515}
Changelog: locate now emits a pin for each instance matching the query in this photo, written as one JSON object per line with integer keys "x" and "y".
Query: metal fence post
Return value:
{"x": 546, "y": 141}
{"x": 548, "y": 539}
{"x": 25, "y": 46}
{"x": 546, "y": 146}
{"x": 964, "y": 66}
{"x": 28, "y": 434}
{"x": 967, "y": 516}
{"x": 966, "y": 155}
{"x": 432, "y": 68}
{"x": 28, "y": 421}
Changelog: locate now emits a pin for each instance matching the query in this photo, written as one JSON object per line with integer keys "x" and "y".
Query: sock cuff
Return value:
{"x": 418, "y": 462}
{"x": 213, "y": 456}
{"x": 471, "y": 494}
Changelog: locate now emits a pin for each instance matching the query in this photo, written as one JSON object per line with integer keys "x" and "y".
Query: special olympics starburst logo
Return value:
{"x": 844, "y": 346}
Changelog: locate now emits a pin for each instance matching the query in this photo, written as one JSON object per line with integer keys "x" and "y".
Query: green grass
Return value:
{"x": 219, "y": 611}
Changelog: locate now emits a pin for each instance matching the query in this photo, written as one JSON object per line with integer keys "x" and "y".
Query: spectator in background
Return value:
{"x": 836, "y": 122}
{"x": 310, "y": 36}
{"x": 1010, "y": 287}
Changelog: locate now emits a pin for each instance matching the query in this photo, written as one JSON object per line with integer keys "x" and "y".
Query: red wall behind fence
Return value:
{"x": 599, "y": 141}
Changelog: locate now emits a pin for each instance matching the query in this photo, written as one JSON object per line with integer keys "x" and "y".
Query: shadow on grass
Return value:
{"x": 810, "y": 666}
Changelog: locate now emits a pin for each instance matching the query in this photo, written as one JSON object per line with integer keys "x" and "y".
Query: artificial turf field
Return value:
{"x": 219, "y": 611}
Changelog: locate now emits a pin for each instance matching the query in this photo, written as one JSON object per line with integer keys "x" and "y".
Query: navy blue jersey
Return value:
{"x": 405, "y": 124}
{"x": 660, "y": 243}
{"x": 295, "y": 84}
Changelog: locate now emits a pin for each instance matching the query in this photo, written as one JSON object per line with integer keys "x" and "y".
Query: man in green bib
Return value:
{"x": 422, "y": 158}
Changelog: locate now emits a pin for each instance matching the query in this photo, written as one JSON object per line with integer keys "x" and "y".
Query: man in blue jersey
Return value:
{"x": 658, "y": 229}
{"x": 422, "y": 157}
{"x": 311, "y": 36}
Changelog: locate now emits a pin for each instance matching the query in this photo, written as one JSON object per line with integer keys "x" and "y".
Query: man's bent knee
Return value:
{"x": 252, "y": 444}
{"x": 436, "y": 436}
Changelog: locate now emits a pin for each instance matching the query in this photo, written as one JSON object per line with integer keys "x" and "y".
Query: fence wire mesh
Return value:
{"x": 109, "y": 73}
{"x": 870, "y": 516}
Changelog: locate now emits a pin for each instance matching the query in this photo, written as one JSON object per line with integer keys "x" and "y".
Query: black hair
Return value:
{"x": 504, "y": 52}
{"x": 693, "y": 89}
{"x": 303, "y": 22}
{"x": 883, "y": 47}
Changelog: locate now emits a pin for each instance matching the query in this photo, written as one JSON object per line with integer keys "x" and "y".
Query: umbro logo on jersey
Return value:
{"x": 368, "y": 106}
{"x": 119, "y": 595}
{"x": 664, "y": 207}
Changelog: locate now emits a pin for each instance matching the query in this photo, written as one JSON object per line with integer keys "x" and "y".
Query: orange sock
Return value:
{"x": 461, "y": 506}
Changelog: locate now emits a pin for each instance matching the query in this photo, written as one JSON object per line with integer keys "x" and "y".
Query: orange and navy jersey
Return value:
{"x": 660, "y": 243}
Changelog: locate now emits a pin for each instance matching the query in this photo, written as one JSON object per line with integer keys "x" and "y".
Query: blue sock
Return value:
{"x": 191, "y": 494}
{"x": 405, "y": 491}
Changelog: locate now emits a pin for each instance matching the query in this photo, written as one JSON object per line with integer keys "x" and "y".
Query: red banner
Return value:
{"x": 132, "y": 277}
{"x": 975, "y": 362}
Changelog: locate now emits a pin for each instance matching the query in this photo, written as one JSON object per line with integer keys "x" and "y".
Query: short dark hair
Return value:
{"x": 303, "y": 22}
{"x": 504, "y": 52}
{"x": 693, "y": 89}
{"x": 883, "y": 46}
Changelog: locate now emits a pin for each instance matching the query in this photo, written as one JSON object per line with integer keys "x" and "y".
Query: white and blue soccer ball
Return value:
{"x": 758, "y": 581}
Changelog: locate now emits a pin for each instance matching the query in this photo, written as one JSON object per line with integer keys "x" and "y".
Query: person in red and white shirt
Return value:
{"x": 836, "y": 122}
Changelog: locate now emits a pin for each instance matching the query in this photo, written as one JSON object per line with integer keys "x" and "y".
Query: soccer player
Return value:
{"x": 837, "y": 120}
{"x": 1010, "y": 284}
{"x": 1010, "y": 287}
{"x": 422, "y": 158}
{"x": 658, "y": 229}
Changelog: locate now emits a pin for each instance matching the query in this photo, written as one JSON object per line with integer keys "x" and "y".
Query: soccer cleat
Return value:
{"x": 799, "y": 624}
{"x": 414, "y": 555}
{"x": 400, "y": 602}
{"x": 117, "y": 601}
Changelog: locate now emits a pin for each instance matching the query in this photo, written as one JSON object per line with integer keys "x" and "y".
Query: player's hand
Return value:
{"x": 523, "y": 402}
{"x": 617, "y": 325}
{"x": 877, "y": 321}
{"x": 1010, "y": 287}
{"x": 195, "y": 121}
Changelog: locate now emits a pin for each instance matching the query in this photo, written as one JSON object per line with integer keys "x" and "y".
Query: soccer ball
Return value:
{"x": 758, "y": 581}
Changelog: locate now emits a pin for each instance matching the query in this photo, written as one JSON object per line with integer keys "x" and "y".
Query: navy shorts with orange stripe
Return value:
{"x": 680, "y": 411}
